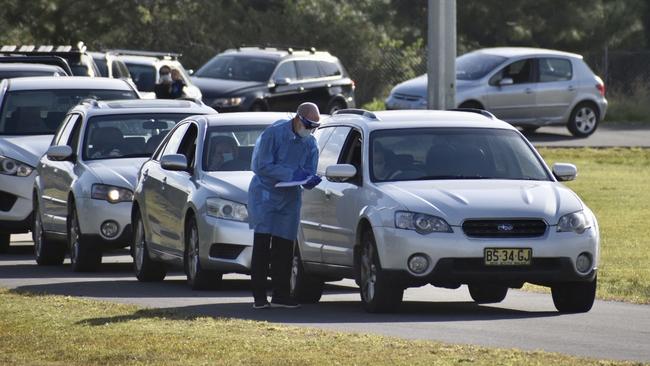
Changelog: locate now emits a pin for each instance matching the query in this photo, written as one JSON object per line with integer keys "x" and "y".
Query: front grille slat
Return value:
{"x": 506, "y": 228}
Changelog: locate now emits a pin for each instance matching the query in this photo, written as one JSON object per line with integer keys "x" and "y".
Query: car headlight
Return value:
{"x": 228, "y": 102}
{"x": 111, "y": 194}
{"x": 9, "y": 166}
{"x": 226, "y": 209}
{"x": 423, "y": 224}
{"x": 577, "y": 222}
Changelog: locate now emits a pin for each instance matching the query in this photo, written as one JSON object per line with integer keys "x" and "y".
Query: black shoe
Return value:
{"x": 284, "y": 303}
{"x": 261, "y": 305}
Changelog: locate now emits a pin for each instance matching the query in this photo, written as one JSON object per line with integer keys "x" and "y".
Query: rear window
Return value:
{"x": 330, "y": 68}
{"x": 40, "y": 112}
{"x": 243, "y": 68}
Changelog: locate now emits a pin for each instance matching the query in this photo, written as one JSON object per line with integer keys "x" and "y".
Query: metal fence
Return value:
{"x": 623, "y": 71}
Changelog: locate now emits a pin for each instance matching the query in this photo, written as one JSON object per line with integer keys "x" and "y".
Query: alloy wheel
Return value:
{"x": 74, "y": 237}
{"x": 368, "y": 273}
{"x": 193, "y": 252}
{"x": 139, "y": 244}
{"x": 38, "y": 234}
{"x": 585, "y": 120}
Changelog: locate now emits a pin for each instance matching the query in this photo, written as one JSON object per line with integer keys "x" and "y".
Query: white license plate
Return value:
{"x": 507, "y": 256}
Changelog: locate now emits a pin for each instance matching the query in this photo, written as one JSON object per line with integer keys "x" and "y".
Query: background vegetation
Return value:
{"x": 381, "y": 42}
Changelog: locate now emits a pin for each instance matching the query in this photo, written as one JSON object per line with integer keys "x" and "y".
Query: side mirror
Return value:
{"x": 281, "y": 81}
{"x": 506, "y": 81}
{"x": 174, "y": 162}
{"x": 564, "y": 172}
{"x": 59, "y": 152}
{"x": 340, "y": 172}
{"x": 190, "y": 72}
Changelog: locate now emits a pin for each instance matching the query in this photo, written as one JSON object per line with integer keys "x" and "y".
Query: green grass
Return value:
{"x": 63, "y": 330}
{"x": 615, "y": 184}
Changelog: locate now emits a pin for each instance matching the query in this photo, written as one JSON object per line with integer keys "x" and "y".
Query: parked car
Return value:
{"x": 442, "y": 198}
{"x": 110, "y": 66}
{"x": 144, "y": 67}
{"x": 57, "y": 61}
{"x": 84, "y": 183}
{"x": 527, "y": 87}
{"x": 190, "y": 202}
{"x": 274, "y": 79}
{"x": 80, "y": 62}
{"x": 31, "y": 110}
{"x": 16, "y": 70}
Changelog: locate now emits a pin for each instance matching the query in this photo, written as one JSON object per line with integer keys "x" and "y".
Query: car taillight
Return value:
{"x": 601, "y": 88}
{"x": 354, "y": 85}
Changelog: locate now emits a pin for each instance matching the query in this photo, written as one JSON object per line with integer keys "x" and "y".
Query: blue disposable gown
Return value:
{"x": 278, "y": 153}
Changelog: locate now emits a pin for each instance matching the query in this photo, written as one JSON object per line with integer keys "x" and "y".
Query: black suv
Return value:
{"x": 274, "y": 79}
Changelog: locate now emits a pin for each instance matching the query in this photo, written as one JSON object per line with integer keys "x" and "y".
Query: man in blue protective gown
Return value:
{"x": 285, "y": 152}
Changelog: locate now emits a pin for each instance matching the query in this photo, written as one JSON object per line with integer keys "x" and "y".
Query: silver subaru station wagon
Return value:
{"x": 447, "y": 198}
{"x": 83, "y": 190}
{"x": 31, "y": 109}
{"x": 190, "y": 202}
{"x": 527, "y": 87}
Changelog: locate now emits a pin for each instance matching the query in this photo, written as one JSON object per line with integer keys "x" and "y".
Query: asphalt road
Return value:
{"x": 607, "y": 135}
{"x": 528, "y": 321}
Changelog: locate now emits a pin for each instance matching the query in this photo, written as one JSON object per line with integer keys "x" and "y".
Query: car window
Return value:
{"x": 329, "y": 155}
{"x": 126, "y": 135}
{"x": 322, "y": 135}
{"x": 230, "y": 148}
{"x": 351, "y": 154}
{"x": 452, "y": 153}
{"x": 174, "y": 141}
{"x": 60, "y": 130}
{"x": 144, "y": 76}
{"x": 308, "y": 69}
{"x": 70, "y": 128}
{"x": 554, "y": 69}
{"x": 286, "y": 70}
{"x": 329, "y": 68}
{"x": 188, "y": 145}
{"x": 102, "y": 66}
{"x": 473, "y": 66}
{"x": 40, "y": 112}
{"x": 244, "y": 68}
{"x": 520, "y": 72}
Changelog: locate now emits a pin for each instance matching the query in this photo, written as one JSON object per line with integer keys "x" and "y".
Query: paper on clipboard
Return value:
{"x": 293, "y": 183}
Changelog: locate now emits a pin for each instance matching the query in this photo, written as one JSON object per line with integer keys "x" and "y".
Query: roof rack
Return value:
{"x": 357, "y": 111}
{"x": 289, "y": 49}
{"x": 482, "y": 112}
{"x": 80, "y": 47}
{"x": 90, "y": 101}
{"x": 156, "y": 54}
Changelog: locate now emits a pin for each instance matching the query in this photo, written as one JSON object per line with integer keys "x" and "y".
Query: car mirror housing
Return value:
{"x": 506, "y": 81}
{"x": 174, "y": 162}
{"x": 564, "y": 172}
{"x": 340, "y": 172}
{"x": 59, "y": 152}
{"x": 281, "y": 81}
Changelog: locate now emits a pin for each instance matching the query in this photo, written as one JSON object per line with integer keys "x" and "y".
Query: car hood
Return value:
{"x": 213, "y": 88}
{"x": 418, "y": 86}
{"x": 117, "y": 172}
{"x": 27, "y": 149}
{"x": 457, "y": 200}
{"x": 229, "y": 185}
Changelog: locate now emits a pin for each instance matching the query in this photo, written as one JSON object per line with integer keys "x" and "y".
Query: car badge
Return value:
{"x": 505, "y": 227}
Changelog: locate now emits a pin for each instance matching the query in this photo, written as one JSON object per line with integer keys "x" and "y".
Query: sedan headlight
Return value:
{"x": 226, "y": 209}
{"x": 423, "y": 224}
{"x": 228, "y": 102}
{"x": 9, "y": 166}
{"x": 111, "y": 194}
{"x": 577, "y": 222}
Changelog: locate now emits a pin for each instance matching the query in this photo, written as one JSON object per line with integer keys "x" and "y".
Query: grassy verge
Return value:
{"x": 615, "y": 184}
{"x": 58, "y": 330}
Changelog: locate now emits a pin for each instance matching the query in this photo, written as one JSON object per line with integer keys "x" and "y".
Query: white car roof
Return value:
{"x": 401, "y": 119}
{"x": 137, "y": 106}
{"x": 69, "y": 82}
{"x": 246, "y": 118}
{"x": 525, "y": 51}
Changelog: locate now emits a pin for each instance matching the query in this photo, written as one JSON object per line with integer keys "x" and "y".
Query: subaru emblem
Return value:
{"x": 505, "y": 227}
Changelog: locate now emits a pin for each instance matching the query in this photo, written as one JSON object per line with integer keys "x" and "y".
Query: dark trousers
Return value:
{"x": 277, "y": 251}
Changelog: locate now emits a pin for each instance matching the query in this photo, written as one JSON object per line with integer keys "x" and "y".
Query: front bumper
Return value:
{"x": 456, "y": 259}
{"x": 93, "y": 213}
{"x": 226, "y": 245}
{"x": 16, "y": 208}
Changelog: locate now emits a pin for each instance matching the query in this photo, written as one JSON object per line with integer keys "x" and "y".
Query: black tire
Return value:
{"x": 5, "y": 239}
{"x": 304, "y": 288}
{"x": 258, "y": 107}
{"x": 487, "y": 293}
{"x": 197, "y": 277}
{"x": 84, "y": 257}
{"x": 46, "y": 252}
{"x": 574, "y": 297}
{"x": 584, "y": 120}
{"x": 146, "y": 269}
{"x": 378, "y": 293}
{"x": 335, "y": 105}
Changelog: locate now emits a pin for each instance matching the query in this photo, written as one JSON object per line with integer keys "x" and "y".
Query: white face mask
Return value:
{"x": 303, "y": 132}
{"x": 227, "y": 157}
{"x": 165, "y": 78}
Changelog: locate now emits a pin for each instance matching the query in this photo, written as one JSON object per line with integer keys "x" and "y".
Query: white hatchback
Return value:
{"x": 447, "y": 198}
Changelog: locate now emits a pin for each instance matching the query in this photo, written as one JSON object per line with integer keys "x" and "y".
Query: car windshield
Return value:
{"x": 39, "y": 112}
{"x": 230, "y": 148}
{"x": 127, "y": 135}
{"x": 473, "y": 66}
{"x": 242, "y": 68}
{"x": 452, "y": 153}
{"x": 144, "y": 76}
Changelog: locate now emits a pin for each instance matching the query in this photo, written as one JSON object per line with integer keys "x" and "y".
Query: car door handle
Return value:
{"x": 528, "y": 90}
{"x": 302, "y": 88}
{"x": 572, "y": 88}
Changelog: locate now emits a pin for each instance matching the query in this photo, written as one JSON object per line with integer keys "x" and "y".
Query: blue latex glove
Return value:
{"x": 300, "y": 174}
{"x": 312, "y": 182}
